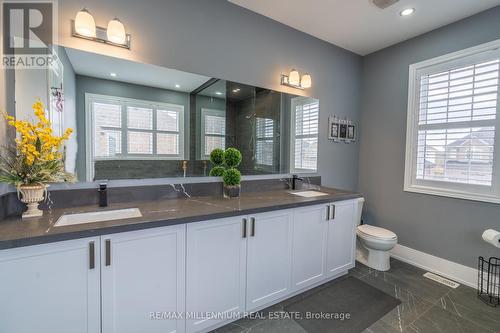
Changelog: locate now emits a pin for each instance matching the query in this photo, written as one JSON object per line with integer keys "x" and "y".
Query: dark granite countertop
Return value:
{"x": 15, "y": 232}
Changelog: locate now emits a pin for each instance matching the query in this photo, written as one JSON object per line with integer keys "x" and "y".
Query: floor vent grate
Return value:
{"x": 441, "y": 280}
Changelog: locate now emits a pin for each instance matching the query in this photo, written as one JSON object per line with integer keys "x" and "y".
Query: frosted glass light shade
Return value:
{"x": 294, "y": 77}
{"x": 84, "y": 23}
{"x": 116, "y": 31}
{"x": 306, "y": 81}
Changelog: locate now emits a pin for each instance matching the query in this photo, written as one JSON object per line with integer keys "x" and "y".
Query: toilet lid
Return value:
{"x": 377, "y": 232}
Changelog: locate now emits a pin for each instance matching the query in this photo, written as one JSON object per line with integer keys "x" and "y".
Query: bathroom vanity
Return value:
{"x": 183, "y": 260}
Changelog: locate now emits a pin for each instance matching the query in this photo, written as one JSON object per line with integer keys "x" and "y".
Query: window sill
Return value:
{"x": 452, "y": 193}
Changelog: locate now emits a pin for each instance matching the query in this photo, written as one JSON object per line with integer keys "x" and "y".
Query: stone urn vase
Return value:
{"x": 231, "y": 191}
{"x": 32, "y": 195}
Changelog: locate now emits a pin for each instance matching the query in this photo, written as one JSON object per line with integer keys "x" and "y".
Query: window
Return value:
{"x": 121, "y": 128}
{"x": 304, "y": 143}
{"x": 452, "y": 121}
{"x": 213, "y": 131}
{"x": 264, "y": 129}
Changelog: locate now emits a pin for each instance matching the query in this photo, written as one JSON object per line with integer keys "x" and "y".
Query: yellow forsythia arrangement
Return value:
{"x": 36, "y": 157}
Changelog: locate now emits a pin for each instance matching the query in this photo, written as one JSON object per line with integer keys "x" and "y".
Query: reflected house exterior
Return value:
{"x": 468, "y": 158}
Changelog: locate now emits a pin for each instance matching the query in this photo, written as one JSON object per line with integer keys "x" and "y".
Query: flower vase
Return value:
{"x": 32, "y": 195}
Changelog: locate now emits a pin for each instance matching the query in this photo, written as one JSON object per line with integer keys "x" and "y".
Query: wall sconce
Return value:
{"x": 83, "y": 26}
{"x": 294, "y": 80}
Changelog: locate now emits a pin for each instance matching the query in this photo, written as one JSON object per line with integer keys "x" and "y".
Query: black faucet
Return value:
{"x": 294, "y": 179}
{"x": 103, "y": 195}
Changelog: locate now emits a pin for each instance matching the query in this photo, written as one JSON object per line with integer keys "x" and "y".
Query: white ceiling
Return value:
{"x": 101, "y": 66}
{"x": 360, "y": 26}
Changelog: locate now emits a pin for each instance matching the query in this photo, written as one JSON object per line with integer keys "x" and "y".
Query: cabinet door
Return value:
{"x": 143, "y": 273}
{"x": 341, "y": 238}
{"x": 216, "y": 256}
{"x": 269, "y": 258}
{"x": 51, "y": 287}
{"x": 310, "y": 231}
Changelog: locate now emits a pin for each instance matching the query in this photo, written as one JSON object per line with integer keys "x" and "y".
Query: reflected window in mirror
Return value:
{"x": 304, "y": 141}
{"x": 128, "y": 129}
{"x": 264, "y": 149}
{"x": 213, "y": 130}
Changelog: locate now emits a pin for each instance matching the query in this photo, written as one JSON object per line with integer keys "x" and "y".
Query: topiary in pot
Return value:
{"x": 232, "y": 180}
{"x": 232, "y": 157}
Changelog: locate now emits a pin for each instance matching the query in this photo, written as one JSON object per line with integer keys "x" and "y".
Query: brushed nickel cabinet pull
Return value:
{"x": 244, "y": 228}
{"x": 91, "y": 255}
{"x": 328, "y": 208}
{"x": 108, "y": 252}
{"x": 332, "y": 212}
{"x": 252, "y": 227}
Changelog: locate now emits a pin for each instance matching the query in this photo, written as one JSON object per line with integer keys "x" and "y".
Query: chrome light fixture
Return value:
{"x": 116, "y": 31}
{"x": 84, "y": 23}
{"x": 294, "y": 80}
{"x": 83, "y": 26}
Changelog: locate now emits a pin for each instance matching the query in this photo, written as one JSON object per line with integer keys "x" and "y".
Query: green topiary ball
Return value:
{"x": 232, "y": 157}
{"x": 217, "y": 171}
{"x": 217, "y": 156}
{"x": 231, "y": 177}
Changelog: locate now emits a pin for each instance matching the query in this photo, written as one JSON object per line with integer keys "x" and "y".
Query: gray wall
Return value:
{"x": 85, "y": 84}
{"x": 444, "y": 227}
{"x": 218, "y": 39}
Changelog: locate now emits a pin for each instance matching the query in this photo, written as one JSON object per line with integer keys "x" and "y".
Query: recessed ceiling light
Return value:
{"x": 218, "y": 93}
{"x": 236, "y": 90}
{"x": 177, "y": 85}
{"x": 407, "y": 11}
{"x": 112, "y": 74}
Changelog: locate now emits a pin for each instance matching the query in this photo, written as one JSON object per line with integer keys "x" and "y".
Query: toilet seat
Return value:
{"x": 371, "y": 231}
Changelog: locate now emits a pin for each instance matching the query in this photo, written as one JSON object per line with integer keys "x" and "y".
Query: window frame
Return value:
{"x": 446, "y": 62}
{"x": 124, "y": 129}
{"x": 294, "y": 102}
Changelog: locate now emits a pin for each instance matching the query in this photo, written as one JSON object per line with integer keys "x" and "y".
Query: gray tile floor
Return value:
{"x": 426, "y": 307}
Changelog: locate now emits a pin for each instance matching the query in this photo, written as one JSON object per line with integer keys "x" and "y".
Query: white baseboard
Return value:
{"x": 448, "y": 269}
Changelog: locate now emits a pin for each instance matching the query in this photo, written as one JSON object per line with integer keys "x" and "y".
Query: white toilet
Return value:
{"x": 373, "y": 244}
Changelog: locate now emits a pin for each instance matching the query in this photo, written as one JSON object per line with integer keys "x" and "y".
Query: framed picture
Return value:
{"x": 343, "y": 131}
{"x": 333, "y": 129}
{"x": 351, "y": 132}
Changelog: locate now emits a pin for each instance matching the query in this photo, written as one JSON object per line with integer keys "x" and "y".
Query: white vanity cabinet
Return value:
{"x": 341, "y": 243}
{"x": 216, "y": 271}
{"x": 310, "y": 235}
{"x": 190, "y": 277}
{"x": 51, "y": 287}
{"x": 269, "y": 258}
{"x": 143, "y": 280}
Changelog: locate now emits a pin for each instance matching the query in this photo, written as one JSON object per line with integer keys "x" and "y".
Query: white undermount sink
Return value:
{"x": 309, "y": 194}
{"x": 90, "y": 217}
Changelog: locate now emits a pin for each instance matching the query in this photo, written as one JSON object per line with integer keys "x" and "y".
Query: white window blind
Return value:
{"x": 213, "y": 130}
{"x": 305, "y": 118}
{"x": 133, "y": 129}
{"x": 264, "y": 149}
{"x": 452, "y": 126}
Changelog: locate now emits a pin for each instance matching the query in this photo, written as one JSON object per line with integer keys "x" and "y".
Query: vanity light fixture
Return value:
{"x": 407, "y": 12}
{"x": 294, "y": 80}
{"x": 116, "y": 31}
{"x": 83, "y": 26}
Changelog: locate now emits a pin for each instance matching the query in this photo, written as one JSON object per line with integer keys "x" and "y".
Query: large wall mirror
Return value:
{"x": 135, "y": 120}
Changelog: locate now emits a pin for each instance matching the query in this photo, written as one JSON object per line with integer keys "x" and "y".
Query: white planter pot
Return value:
{"x": 31, "y": 195}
